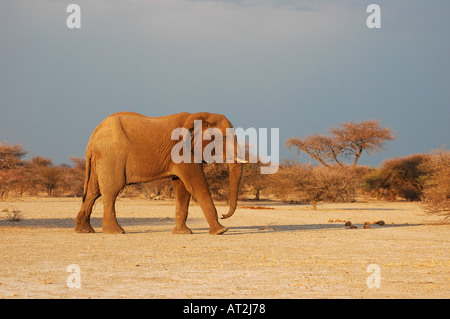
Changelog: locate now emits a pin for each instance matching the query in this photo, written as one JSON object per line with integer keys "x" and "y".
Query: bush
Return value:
{"x": 401, "y": 176}
{"x": 14, "y": 216}
{"x": 436, "y": 193}
{"x": 296, "y": 181}
{"x": 218, "y": 181}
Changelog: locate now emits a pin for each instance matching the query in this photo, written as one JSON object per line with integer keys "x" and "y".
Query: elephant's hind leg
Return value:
{"x": 112, "y": 181}
{"x": 82, "y": 222}
{"x": 109, "y": 222}
{"x": 181, "y": 211}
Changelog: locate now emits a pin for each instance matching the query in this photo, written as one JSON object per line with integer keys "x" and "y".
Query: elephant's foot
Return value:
{"x": 112, "y": 229}
{"x": 84, "y": 228}
{"x": 82, "y": 225}
{"x": 181, "y": 230}
{"x": 217, "y": 230}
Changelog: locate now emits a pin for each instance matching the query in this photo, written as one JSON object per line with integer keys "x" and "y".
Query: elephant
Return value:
{"x": 128, "y": 148}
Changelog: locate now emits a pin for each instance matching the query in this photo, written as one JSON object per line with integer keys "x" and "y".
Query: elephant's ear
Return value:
{"x": 189, "y": 124}
{"x": 203, "y": 116}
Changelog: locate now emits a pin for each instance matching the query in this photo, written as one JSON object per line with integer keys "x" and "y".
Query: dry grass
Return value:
{"x": 14, "y": 216}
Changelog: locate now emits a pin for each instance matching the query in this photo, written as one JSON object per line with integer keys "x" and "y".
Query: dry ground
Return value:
{"x": 288, "y": 252}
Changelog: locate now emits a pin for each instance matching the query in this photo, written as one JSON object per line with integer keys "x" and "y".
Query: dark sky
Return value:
{"x": 300, "y": 66}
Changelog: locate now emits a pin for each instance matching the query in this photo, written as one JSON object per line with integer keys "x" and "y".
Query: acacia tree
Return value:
{"x": 10, "y": 167}
{"x": 47, "y": 175}
{"x": 346, "y": 141}
{"x": 11, "y": 156}
{"x": 253, "y": 179}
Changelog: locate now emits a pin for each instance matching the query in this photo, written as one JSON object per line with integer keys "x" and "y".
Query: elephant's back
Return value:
{"x": 129, "y": 114}
{"x": 129, "y": 128}
{"x": 110, "y": 132}
{"x": 132, "y": 118}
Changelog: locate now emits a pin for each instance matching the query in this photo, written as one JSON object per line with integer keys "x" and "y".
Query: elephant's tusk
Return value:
{"x": 238, "y": 160}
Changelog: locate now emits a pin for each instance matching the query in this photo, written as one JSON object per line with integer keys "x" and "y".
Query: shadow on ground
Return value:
{"x": 125, "y": 222}
{"x": 70, "y": 222}
{"x": 240, "y": 230}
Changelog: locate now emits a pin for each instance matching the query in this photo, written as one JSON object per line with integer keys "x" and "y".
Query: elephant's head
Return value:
{"x": 211, "y": 123}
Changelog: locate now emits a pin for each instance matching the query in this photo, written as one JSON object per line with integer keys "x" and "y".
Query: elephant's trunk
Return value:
{"x": 235, "y": 173}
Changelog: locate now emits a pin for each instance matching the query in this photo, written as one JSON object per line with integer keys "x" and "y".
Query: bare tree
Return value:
{"x": 346, "y": 141}
{"x": 322, "y": 148}
{"x": 357, "y": 137}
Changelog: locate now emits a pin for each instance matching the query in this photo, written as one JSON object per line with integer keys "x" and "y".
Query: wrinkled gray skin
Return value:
{"x": 128, "y": 148}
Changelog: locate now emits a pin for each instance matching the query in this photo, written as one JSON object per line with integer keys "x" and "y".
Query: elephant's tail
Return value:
{"x": 88, "y": 174}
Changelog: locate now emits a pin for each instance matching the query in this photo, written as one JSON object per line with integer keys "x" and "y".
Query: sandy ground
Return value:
{"x": 286, "y": 252}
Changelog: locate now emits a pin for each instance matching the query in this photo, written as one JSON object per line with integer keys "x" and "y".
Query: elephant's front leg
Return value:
{"x": 194, "y": 180}
{"x": 181, "y": 211}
